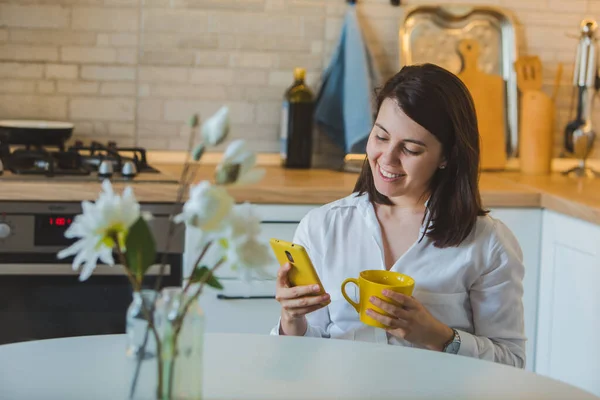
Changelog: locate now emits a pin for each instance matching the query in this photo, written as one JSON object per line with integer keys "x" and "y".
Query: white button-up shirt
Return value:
{"x": 475, "y": 288}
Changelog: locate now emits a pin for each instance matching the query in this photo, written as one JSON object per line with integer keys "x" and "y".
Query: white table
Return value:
{"x": 266, "y": 367}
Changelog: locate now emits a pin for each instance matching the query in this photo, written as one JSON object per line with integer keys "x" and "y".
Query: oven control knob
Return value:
{"x": 129, "y": 170}
{"x": 4, "y": 230}
{"x": 105, "y": 170}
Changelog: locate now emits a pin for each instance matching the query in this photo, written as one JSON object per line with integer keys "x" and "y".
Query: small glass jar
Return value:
{"x": 181, "y": 349}
{"x": 141, "y": 348}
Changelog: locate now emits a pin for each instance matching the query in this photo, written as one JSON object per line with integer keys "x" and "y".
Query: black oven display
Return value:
{"x": 50, "y": 229}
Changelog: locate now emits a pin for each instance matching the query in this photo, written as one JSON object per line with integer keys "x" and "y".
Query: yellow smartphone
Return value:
{"x": 303, "y": 271}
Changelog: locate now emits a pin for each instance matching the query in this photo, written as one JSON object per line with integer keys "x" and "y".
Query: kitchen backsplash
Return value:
{"x": 133, "y": 71}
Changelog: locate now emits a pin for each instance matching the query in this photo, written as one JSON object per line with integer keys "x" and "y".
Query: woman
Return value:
{"x": 416, "y": 209}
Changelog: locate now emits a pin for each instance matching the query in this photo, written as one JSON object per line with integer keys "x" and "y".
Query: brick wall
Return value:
{"x": 134, "y": 72}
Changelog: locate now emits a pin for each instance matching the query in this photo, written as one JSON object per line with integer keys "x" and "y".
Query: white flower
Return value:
{"x": 98, "y": 226}
{"x": 207, "y": 207}
{"x": 248, "y": 255}
{"x": 237, "y": 166}
{"x": 245, "y": 252}
{"x": 243, "y": 222}
{"x": 215, "y": 129}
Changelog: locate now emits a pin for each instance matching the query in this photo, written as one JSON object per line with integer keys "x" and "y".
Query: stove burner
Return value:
{"x": 42, "y": 162}
{"x": 77, "y": 160}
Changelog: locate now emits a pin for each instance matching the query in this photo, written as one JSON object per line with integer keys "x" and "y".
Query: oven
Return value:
{"x": 41, "y": 296}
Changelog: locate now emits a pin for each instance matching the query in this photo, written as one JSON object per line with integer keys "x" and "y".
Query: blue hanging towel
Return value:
{"x": 344, "y": 109}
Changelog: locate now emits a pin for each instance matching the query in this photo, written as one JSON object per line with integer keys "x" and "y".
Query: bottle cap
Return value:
{"x": 299, "y": 73}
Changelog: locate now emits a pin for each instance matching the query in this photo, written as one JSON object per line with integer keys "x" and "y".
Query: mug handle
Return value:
{"x": 354, "y": 304}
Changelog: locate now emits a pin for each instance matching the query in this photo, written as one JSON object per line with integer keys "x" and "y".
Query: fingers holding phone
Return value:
{"x": 298, "y": 301}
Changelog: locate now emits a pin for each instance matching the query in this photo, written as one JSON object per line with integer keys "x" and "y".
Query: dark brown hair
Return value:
{"x": 438, "y": 100}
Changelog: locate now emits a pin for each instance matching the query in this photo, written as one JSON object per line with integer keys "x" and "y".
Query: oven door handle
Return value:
{"x": 66, "y": 269}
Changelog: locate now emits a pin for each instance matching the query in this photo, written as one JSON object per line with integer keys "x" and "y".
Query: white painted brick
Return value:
{"x": 251, "y": 77}
{"x": 241, "y": 5}
{"x": 14, "y": 52}
{"x": 33, "y": 106}
{"x": 127, "y": 56}
{"x": 526, "y": 5}
{"x": 104, "y": 19}
{"x": 308, "y": 61}
{"x": 153, "y": 143}
{"x": 21, "y": 70}
{"x": 333, "y": 28}
{"x": 130, "y": 3}
{"x": 538, "y": 36}
{"x": 177, "y": 20}
{"x": 261, "y": 93}
{"x": 308, "y": 7}
{"x": 143, "y": 90}
{"x": 46, "y": 87}
{"x": 253, "y": 60}
{"x": 531, "y": 18}
{"x": 100, "y": 128}
{"x": 275, "y": 5}
{"x": 281, "y": 78}
{"x": 48, "y": 36}
{"x": 179, "y": 41}
{"x": 103, "y": 39}
{"x": 77, "y": 87}
{"x": 150, "y": 110}
{"x": 83, "y": 128}
{"x": 263, "y": 43}
{"x": 212, "y": 75}
{"x": 568, "y": 6}
{"x": 316, "y": 47}
{"x": 163, "y": 74}
{"x": 156, "y": 129}
{"x": 257, "y": 23}
{"x": 123, "y": 39}
{"x": 89, "y": 55}
{"x": 16, "y": 86}
{"x": 33, "y": 16}
{"x": 196, "y": 92}
{"x": 174, "y": 57}
{"x": 106, "y": 73}
{"x": 180, "y": 110}
{"x": 3, "y": 35}
{"x": 120, "y": 128}
{"x": 313, "y": 27}
{"x": 210, "y": 58}
{"x": 102, "y": 108}
{"x": 117, "y": 88}
{"x": 268, "y": 112}
{"x": 61, "y": 71}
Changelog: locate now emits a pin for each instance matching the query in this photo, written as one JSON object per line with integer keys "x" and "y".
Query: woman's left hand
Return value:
{"x": 411, "y": 321}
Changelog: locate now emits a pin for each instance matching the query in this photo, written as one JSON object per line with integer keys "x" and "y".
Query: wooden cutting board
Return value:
{"x": 488, "y": 94}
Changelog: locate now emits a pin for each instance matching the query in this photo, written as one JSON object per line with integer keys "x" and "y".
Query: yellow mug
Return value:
{"x": 372, "y": 283}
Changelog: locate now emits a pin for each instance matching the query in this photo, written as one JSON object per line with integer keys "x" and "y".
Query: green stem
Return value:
{"x": 178, "y": 324}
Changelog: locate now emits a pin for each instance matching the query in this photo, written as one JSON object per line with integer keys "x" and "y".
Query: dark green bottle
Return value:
{"x": 297, "y": 123}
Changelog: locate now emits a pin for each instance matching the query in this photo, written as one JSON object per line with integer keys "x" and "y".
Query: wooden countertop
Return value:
{"x": 576, "y": 197}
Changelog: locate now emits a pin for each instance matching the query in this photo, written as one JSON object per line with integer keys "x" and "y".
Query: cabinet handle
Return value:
{"x": 226, "y": 297}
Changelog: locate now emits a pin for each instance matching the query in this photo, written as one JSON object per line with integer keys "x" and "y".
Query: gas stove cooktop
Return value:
{"x": 78, "y": 162}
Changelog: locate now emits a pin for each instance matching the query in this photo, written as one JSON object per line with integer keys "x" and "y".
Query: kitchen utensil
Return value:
{"x": 33, "y": 132}
{"x": 537, "y": 118}
{"x": 579, "y": 135}
{"x": 529, "y": 73}
{"x": 430, "y": 33}
{"x": 487, "y": 91}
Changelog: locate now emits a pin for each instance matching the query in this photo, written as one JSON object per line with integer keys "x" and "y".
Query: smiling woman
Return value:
{"x": 416, "y": 210}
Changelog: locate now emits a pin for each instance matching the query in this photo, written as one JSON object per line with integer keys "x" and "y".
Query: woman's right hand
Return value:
{"x": 296, "y": 302}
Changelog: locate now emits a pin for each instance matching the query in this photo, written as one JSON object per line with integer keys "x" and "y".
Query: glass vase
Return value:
{"x": 141, "y": 382}
{"x": 182, "y": 344}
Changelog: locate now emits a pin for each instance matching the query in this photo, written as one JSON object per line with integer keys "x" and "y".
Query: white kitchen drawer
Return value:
{"x": 225, "y": 312}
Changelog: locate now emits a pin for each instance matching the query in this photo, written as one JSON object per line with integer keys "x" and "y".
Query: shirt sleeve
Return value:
{"x": 318, "y": 321}
{"x": 497, "y": 304}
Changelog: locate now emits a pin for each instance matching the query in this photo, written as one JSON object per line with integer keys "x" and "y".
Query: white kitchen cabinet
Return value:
{"x": 525, "y": 224}
{"x": 568, "y": 347}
